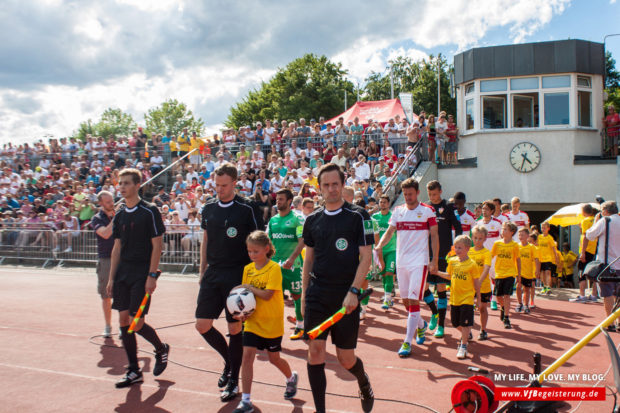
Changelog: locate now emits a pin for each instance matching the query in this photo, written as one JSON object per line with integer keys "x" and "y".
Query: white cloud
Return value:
{"x": 65, "y": 63}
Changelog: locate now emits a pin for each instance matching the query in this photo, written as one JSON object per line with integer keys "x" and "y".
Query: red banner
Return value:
{"x": 550, "y": 393}
{"x": 377, "y": 110}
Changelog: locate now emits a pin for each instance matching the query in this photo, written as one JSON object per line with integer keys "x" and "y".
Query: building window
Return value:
{"x": 524, "y": 83}
{"x": 494, "y": 112}
{"x": 584, "y": 103}
{"x": 550, "y": 82}
{"x": 469, "y": 114}
{"x": 496, "y": 85}
{"x": 470, "y": 88}
{"x": 556, "y": 108}
{"x": 584, "y": 81}
{"x": 525, "y": 110}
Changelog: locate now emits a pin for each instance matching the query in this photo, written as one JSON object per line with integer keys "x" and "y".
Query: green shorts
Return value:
{"x": 390, "y": 262}
{"x": 291, "y": 280}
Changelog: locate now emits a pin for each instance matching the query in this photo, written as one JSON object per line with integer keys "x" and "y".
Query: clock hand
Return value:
{"x": 525, "y": 158}
{"x": 522, "y": 163}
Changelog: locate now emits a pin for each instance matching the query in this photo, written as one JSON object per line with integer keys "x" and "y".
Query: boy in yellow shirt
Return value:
{"x": 548, "y": 259}
{"x": 264, "y": 328}
{"x": 482, "y": 258}
{"x": 569, "y": 259}
{"x": 530, "y": 269}
{"x": 507, "y": 269}
{"x": 586, "y": 256}
{"x": 464, "y": 275}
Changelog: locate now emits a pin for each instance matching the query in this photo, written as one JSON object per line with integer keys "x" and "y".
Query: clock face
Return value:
{"x": 525, "y": 157}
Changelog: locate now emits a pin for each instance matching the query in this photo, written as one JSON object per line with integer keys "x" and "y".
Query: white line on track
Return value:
{"x": 173, "y": 388}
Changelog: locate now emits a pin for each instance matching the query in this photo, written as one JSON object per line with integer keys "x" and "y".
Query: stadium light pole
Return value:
{"x": 438, "y": 84}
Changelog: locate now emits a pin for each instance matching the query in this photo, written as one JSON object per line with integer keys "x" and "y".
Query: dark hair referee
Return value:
{"x": 137, "y": 231}
{"x": 227, "y": 221}
{"x": 338, "y": 238}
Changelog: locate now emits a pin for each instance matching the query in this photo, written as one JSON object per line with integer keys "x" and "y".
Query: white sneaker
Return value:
{"x": 592, "y": 298}
{"x": 68, "y": 249}
{"x": 362, "y": 312}
{"x": 462, "y": 352}
{"x": 579, "y": 299}
{"x": 107, "y": 332}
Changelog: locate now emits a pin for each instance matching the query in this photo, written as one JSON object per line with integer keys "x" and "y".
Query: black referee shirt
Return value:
{"x": 135, "y": 227}
{"x": 227, "y": 226}
{"x": 336, "y": 237}
{"x": 446, "y": 221}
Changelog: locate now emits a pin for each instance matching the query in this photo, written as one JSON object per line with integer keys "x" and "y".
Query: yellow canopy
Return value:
{"x": 569, "y": 215}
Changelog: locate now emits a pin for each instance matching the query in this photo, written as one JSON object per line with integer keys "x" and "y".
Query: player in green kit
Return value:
{"x": 387, "y": 256}
{"x": 285, "y": 231}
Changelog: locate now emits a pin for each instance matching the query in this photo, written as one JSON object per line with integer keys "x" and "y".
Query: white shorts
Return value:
{"x": 194, "y": 159}
{"x": 411, "y": 281}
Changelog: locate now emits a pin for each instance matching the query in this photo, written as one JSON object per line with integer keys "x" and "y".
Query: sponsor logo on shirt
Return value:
{"x": 279, "y": 235}
{"x": 368, "y": 227}
{"x": 231, "y": 232}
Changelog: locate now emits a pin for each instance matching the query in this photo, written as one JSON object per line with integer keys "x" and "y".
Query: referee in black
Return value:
{"x": 137, "y": 230}
{"x": 338, "y": 238}
{"x": 227, "y": 220}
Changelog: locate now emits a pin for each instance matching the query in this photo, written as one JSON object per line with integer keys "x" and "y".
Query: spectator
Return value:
{"x": 607, "y": 290}
{"x": 612, "y": 125}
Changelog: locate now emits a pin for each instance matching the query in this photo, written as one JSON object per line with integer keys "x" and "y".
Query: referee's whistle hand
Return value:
{"x": 350, "y": 302}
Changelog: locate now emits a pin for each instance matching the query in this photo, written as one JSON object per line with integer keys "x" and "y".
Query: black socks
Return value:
{"x": 318, "y": 384}
{"x": 358, "y": 371}
{"x": 131, "y": 347}
{"x": 151, "y": 336}
{"x": 216, "y": 340}
{"x": 235, "y": 355}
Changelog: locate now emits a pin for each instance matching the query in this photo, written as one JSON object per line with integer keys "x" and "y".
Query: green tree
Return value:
{"x": 418, "y": 78}
{"x": 173, "y": 116}
{"x": 309, "y": 86}
{"x": 612, "y": 76}
{"x": 113, "y": 121}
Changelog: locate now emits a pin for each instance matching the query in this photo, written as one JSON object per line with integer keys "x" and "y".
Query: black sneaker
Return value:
{"x": 483, "y": 336}
{"x": 501, "y": 315}
{"x": 471, "y": 336}
{"x": 367, "y": 397}
{"x": 131, "y": 377}
{"x": 230, "y": 391}
{"x": 291, "y": 387}
{"x": 161, "y": 360}
{"x": 507, "y": 323}
{"x": 223, "y": 380}
{"x": 611, "y": 328}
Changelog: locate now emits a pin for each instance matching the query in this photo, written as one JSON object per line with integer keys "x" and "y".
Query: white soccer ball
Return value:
{"x": 241, "y": 302}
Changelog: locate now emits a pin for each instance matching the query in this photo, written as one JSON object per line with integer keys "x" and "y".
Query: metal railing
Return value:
{"x": 181, "y": 246}
{"x": 609, "y": 142}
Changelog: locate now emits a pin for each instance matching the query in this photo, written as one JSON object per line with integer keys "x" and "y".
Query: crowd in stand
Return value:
{"x": 53, "y": 186}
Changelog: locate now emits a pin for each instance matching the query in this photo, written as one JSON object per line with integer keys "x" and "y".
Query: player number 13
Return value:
{"x": 525, "y": 157}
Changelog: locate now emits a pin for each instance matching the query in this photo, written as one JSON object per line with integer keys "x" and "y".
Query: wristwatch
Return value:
{"x": 155, "y": 274}
{"x": 354, "y": 290}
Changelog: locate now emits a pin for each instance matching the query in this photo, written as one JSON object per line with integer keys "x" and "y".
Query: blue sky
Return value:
{"x": 65, "y": 61}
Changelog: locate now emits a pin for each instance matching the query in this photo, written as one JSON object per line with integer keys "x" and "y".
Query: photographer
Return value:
{"x": 607, "y": 290}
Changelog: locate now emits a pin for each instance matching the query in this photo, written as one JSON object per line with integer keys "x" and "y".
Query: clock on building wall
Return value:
{"x": 525, "y": 157}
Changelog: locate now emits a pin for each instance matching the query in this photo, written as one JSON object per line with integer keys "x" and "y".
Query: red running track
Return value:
{"x": 47, "y": 363}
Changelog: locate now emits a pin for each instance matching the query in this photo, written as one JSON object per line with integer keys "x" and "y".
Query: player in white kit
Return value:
{"x": 413, "y": 223}
{"x": 518, "y": 217}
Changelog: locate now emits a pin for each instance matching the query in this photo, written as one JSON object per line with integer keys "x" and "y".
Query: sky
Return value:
{"x": 64, "y": 62}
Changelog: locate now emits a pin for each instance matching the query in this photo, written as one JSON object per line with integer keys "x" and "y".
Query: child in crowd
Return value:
{"x": 464, "y": 275}
{"x": 569, "y": 258}
{"x": 482, "y": 257}
{"x": 264, "y": 328}
{"x": 530, "y": 267}
{"x": 548, "y": 259}
{"x": 507, "y": 269}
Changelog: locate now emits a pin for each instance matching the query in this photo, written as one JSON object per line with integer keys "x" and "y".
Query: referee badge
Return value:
{"x": 231, "y": 232}
{"x": 368, "y": 227}
{"x": 341, "y": 244}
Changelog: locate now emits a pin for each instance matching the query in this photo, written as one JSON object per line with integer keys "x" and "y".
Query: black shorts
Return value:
{"x": 462, "y": 315}
{"x": 322, "y": 303}
{"x": 485, "y": 297}
{"x": 214, "y": 292}
{"x": 526, "y": 282}
{"x": 182, "y": 154}
{"x": 272, "y": 345}
{"x": 442, "y": 265}
{"x": 582, "y": 265}
{"x": 549, "y": 266}
{"x": 128, "y": 290}
{"x": 503, "y": 286}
